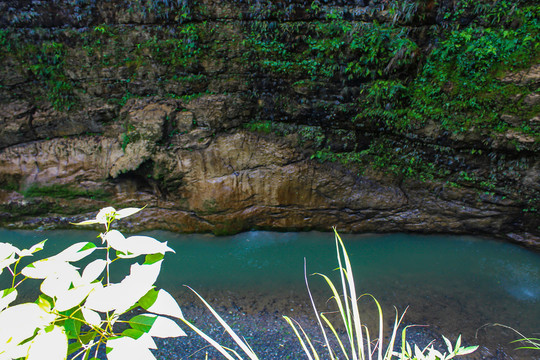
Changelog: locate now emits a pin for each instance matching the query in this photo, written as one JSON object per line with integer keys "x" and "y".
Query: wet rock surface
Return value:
{"x": 172, "y": 108}
{"x": 235, "y": 181}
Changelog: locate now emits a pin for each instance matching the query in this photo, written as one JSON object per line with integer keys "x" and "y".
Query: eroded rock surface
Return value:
{"x": 232, "y": 181}
{"x": 229, "y": 116}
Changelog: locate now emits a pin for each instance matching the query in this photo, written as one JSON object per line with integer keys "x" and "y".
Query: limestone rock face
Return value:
{"x": 224, "y": 116}
{"x": 236, "y": 181}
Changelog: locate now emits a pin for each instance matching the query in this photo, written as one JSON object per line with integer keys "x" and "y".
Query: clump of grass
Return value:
{"x": 360, "y": 345}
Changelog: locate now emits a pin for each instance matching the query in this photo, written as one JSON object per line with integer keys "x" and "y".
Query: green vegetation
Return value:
{"x": 209, "y": 206}
{"x": 460, "y": 85}
{"x": 455, "y": 84}
{"x": 178, "y": 53}
{"x": 45, "y": 62}
{"x": 334, "y": 48}
{"x": 64, "y": 192}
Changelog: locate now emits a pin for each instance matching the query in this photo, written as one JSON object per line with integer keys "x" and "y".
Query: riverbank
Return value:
{"x": 259, "y": 321}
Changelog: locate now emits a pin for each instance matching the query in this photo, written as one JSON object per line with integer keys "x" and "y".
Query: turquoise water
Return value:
{"x": 457, "y": 282}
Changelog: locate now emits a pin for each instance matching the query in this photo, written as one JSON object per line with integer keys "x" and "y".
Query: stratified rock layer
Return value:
{"x": 216, "y": 124}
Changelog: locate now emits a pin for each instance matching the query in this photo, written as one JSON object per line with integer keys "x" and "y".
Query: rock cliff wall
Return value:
{"x": 227, "y": 116}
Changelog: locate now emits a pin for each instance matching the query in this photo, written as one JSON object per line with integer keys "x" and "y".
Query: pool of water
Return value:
{"x": 456, "y": 283}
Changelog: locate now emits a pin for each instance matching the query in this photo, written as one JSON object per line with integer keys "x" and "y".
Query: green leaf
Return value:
{"x": 153, "y": 258}
{"x": 133, "y": 333}
{"x": 74, "y": 346}
{"x": 27, "y": 252}
{"x": 466, "y": 350}
{"x": 73, "y": 328}
{"x": 148, "y": 299}
{"x": 7, "y": 296}
{"x": 88, "y": 337}
{"x": 6, "y": 292}
{"x": 142, "y": 322}
{"x": 45, "y": 302}
{"x": 88, "y": 246}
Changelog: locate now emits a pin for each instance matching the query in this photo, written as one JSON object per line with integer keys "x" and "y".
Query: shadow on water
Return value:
{"x": 456, "y": 284}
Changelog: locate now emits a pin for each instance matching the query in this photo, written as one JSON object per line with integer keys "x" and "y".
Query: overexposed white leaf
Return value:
{"x": 76, "y": 252}
{"x": 165, "y": 304}
{"x": 58, "y": 282}
{"x": 14, "y": 351}
{"x": 108, "y": 214}
{"x": 105, "y": 214}
{"x": 43, "y": 268}
{"x": 7, "y": 296}
{"x": 19, "y": 322}
{"x": 144, "y": 245}
{"x": 417, "y": 352}
{"x": 108, "y": 298}
{"x": 7, "y": 255}
{"x": 127, "y": 348}
{"x": 466, "y": 350}
{"x": 408, "y": 347}
{"x": 7, "y": 250}
{"x": 164, "y": 327}
{"x": 91, "y": 316}
{"x": 145, "y": 275}
{"x": 145, "y": 340}
{"x": 114, "y": 239}
{"x": 92, "y": 271}
{"x": 435, "y": 353}
{"x": 458, "y": 342}
{"x": 37, "y": 247}
{"x": 74, "y": 296}
{"x": 127, "y": 212}
{"x": 53, "y": 345}
{"x": 135, "y": 245}
{"x": 120, "y": 297}
{"x": 86, "y": 222}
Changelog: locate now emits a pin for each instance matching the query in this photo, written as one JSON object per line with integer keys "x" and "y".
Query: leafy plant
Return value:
{"x": 78, "y": 312}
{"x": 360, "y": 344}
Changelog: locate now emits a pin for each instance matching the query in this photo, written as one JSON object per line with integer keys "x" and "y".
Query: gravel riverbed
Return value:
{"x": 259, "y": 320}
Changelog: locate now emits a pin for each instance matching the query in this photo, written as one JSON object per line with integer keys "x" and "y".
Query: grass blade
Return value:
{"x": 336, "y": 335}
{"x": 210, "y": 340}
{"x": 323, "y": 331}
{"x": 348, "y": 274}
{"x": 230, "y": 331}
{"x": 302, "y": 343}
